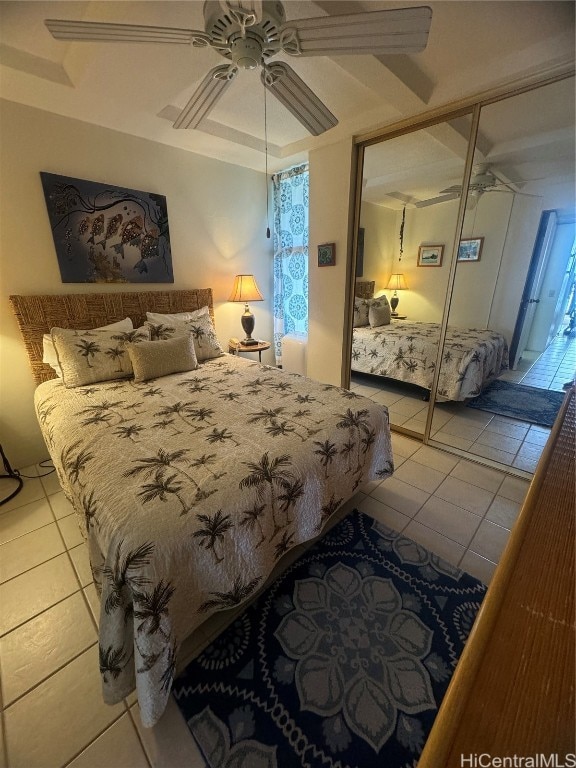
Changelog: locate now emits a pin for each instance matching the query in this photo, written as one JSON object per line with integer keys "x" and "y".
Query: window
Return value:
{"x": 291, "y": 195}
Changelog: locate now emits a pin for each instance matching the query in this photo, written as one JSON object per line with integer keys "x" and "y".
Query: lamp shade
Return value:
{"x": 397, "y": 282}
{"x": 245, "y": 289}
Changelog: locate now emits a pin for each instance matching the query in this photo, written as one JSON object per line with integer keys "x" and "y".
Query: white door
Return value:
{"x": 532, "y": 301}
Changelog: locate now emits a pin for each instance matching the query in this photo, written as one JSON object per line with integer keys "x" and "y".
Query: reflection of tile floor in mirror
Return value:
{"x": 514, "y": 443}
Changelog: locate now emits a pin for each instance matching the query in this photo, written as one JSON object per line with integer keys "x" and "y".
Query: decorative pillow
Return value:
{"x": 87, "y": 357}
{"x": 360, "y": 312}
{"x": 152, "y": 359}
{"x": 176, "y": 317}
{"x": 51, "y": 358}
{"x": 206, "y": 344}
{"x": 379, "y": 312}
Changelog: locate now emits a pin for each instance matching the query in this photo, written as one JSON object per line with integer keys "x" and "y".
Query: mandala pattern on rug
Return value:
{"x": 342, "y": 662}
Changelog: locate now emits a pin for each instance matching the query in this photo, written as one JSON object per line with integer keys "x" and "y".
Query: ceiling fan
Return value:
{"x": 483, "y": 180}
{"x": 248, "y": 33}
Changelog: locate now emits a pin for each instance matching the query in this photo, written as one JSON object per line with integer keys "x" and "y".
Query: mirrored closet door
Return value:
{"x": 484, "y": 273}
{"x": 404, "y": 242}
{"x": 512, "y": 286}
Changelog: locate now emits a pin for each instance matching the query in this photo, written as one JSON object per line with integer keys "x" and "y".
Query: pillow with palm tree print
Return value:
{"x": 51, "y": 358}
{"x": 176, "y": 317}
{"x": 379, "y": 312}
{"x": 360, "y": 312}
{"x": 201, "y": 327}
{"x": 87, "y": 357}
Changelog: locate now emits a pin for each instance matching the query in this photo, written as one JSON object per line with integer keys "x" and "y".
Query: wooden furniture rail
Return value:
{"x": 512, "y": 693}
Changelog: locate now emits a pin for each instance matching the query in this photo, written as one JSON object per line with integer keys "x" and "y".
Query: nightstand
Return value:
{"x": 260, "y": 347}
{"x": 398, "y": 317}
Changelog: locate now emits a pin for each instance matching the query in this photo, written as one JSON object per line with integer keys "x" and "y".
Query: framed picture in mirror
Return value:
{"x": 430, "y": 255}
{"x": 470, "y": 249}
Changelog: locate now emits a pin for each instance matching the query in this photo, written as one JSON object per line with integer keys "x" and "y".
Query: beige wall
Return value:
{"x": 330, "y": 173}
{"x": 486, "y": 293}
{"x": 379, "y": 225}
{"x": 217, "y": 225}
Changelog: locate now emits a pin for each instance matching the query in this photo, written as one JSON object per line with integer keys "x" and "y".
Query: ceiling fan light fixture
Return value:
{"x": 246, "y": 52}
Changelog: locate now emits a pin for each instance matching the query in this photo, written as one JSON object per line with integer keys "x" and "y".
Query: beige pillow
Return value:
{"x": 360, "y": 312}
{"x": 206, "y": 344}
{"x": 379, "y": 312}
{"x": 87, "y": 357}
{"x": 51, "y": 358}
{"x": 152, "y": 359}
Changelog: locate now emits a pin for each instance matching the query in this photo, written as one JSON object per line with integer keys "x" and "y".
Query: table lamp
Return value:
{"x": 245, "y": 289}
{"x": 396, "y": 283}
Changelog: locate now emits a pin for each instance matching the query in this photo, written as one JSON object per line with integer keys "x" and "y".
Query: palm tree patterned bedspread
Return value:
{"x": 189, "y": 488}
{"x": 407, "y": 351}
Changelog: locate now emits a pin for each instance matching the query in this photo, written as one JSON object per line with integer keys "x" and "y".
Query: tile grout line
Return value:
{"x": 133, "y": 721}
{"x": 100, "y": 733}
{"x": 51, "y": 674}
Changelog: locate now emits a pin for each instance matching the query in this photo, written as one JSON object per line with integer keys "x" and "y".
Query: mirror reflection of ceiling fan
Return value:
{"x": 248, "y": 33}
{"x": 483, "y": 179}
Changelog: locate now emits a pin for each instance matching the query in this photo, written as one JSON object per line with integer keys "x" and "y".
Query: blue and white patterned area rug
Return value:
{"x": 341, "y": 663}
{"x": 517, "y": 401}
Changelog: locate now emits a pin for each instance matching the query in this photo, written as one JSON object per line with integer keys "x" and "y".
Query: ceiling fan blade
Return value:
{"x": 376, "y": 32}
{"x": 434, "y": 200}
{"x": 104, "y": 32}
{"x": 206, "y": 95}
{"x": 281, "y": 81}
{"x": 455, "y": 188}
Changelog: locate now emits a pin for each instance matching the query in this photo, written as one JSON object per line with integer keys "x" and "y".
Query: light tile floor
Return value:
{"x": 508, "y": 441}
{"x": 52, "y": 710}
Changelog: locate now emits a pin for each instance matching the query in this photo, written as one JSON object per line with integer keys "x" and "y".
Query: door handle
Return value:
{"x": 533, "y": 301}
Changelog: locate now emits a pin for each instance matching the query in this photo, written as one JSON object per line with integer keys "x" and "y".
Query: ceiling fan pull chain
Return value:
{"x": 266, "y": 156}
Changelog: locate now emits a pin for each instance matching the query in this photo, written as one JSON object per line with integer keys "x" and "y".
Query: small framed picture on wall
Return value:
{"x": 470, "y": 249}
{"x": 430, "y": 255}
{"x": 327, "y": 255}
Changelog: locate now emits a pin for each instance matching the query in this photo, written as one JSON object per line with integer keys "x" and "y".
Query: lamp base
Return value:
{"x": 394, "y": 301}
{"x": 247, "y": 321}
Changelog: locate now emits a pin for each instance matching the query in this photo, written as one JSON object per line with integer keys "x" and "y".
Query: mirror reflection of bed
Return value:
{"x": 397, "y": 356}
{"x": 518, "y": 283}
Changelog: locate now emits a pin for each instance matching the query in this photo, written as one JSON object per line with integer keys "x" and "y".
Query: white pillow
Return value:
{"x": 51, "y": 358}
{"x": 360, "y": 312}
{"x": 177, "y": 317}
{"x": 379, "y": 312}
{"x": 200, "y": 325}
{"x": 88, "y": 357}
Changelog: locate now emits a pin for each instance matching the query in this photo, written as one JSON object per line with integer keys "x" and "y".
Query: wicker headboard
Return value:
{"x": 37, "y": 314}
{"x": 365, "y": 289}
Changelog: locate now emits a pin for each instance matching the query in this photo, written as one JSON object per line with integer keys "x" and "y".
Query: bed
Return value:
{"x": 406, "y": 351}
{"x": 191, "y": 486}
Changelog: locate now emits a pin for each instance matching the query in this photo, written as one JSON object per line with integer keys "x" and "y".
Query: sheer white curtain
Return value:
{"x": 291, "y": 194}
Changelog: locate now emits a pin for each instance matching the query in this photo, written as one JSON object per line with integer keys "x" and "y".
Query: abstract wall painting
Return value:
{"x": 107, "y": 234}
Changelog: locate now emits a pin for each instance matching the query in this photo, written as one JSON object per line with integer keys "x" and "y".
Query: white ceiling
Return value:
{"x": 527, "y": 141}
{"x": 139, "y": 89}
